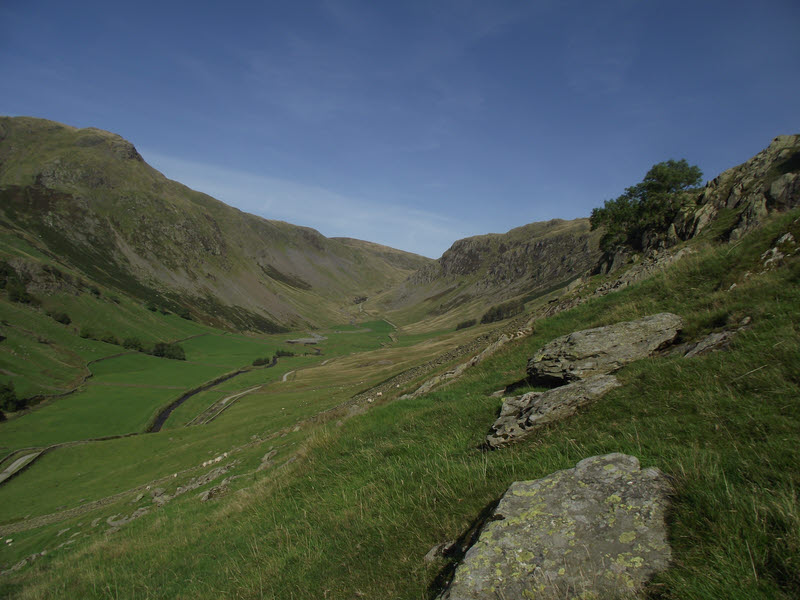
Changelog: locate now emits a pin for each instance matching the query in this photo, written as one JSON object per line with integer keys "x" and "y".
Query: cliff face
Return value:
{"x": 491, "y": 268}
{"x": 536, "y": 252}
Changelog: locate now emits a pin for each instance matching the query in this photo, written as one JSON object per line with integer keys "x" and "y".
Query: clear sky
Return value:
{"x": 417, "y": 122}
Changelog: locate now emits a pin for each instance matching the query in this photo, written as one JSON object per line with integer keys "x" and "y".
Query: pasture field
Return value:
{"x": 367, "y": 497}
{"x": 229, "y": 350}
{"x": 95, "y": 411}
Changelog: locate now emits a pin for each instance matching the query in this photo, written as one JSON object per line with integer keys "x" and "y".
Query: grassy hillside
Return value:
{"x": 84, "y": 199}
{"x": 351, "y": 503}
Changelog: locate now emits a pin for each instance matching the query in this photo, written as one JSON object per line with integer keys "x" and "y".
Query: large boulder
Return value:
{"x": 602, "y": 350}
{"x": 595, "y": 531}
{"x": 522, "y": 415}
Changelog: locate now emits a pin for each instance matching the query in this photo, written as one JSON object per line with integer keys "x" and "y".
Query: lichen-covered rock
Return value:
{"x": 603, "y": 349}
{"x": 522, "y": 415}
{"x": 595, "y": 531}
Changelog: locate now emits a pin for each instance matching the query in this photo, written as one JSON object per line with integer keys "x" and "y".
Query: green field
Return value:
{"x": 370, "y": 492}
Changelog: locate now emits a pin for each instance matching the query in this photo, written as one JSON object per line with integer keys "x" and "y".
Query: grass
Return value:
{"x": 367, "y": 498}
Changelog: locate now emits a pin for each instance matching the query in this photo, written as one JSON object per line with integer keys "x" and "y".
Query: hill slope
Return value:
{"x": 87, "y": 200}
{"x": 479, "y": 271}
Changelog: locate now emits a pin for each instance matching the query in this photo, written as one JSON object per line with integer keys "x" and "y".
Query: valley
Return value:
{"x": 217, "y": 405}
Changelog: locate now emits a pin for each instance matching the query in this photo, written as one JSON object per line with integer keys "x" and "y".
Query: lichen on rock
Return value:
{"x": 594, "y": 531}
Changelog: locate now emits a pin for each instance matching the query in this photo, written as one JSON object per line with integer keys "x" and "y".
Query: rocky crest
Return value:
{"x": 770, "y": 181}
{"x": 529, "y": 260}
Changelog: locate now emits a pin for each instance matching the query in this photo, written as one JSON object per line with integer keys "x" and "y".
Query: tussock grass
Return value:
{"x": 354, "y": 515}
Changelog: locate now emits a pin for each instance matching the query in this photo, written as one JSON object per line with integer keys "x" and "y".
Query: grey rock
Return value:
{"x": 719, "y": 340}
{"x": 266, "y": 461}
{"x": 117, "y": 523}
{"x": 439, "y": 551}
{"x": 711, "y": 343}
{"x": 522, "y": 415}
{"x": 595, "y": 531}
{"x": 603, "y": 349}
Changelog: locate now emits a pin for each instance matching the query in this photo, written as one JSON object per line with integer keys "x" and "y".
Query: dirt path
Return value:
{"x": 286, "y": 375}
{"x": 18, "y": 465}
{"x": 164, "y": 414}
{"x": 216, "y": 409}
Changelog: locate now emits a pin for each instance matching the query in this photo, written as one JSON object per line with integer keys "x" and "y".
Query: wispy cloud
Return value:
{"x": 333, "y": 214}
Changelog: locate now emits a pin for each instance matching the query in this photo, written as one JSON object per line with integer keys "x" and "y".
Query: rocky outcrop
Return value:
{"x": 602, "y": 350}
{"x": 770, "y": 181}
{"x": 595, "y": 531}
{"x": 522, "y": 415}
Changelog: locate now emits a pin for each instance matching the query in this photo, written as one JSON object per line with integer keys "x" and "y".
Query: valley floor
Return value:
{"x": 320, "y": 482}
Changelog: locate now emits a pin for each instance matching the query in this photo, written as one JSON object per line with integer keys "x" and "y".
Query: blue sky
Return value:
{"x": 412, "y": 123}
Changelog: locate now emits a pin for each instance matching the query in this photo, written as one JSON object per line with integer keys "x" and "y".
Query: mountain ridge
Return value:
{"x": 84, "y": 189}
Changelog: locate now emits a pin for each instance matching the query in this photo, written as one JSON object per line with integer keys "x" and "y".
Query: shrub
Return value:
{"x": 151, "y": 306}
{"x": 649, "y": 206}
{"x": 261, "y": 361}
{"x": 172, "y": 351}
{"x": 110, "y": 338}
{"x": 503, "y": 311}
{"x": 86, "y": 333}
{"x": 8, "y": 398}
{"x": 18, "y": 293}
{"x": 132, "y": 343}
{"x": 61, "y": 318}
{"x": 465, "y": 324}
{"x": 284, "y": 353}
{"x": 7, "y": 273}
{"x": 184, "y": 313}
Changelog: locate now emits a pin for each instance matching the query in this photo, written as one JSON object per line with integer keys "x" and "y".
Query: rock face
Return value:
{"x": 602, "y": 350}
{"x": 522, "y": 415}
{"x": 528, "y": 260}
{"x": 595, "y": 531}
{"x": 770, "y": 181}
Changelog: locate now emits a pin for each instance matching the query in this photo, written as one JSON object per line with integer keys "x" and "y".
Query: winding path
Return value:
{"x": 162, "y": 417}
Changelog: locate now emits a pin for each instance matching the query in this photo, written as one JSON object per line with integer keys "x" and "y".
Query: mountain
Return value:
{"x": 477, "y": 272}
{"x": 325, "y": 474}
{"x": 89, "y": 202}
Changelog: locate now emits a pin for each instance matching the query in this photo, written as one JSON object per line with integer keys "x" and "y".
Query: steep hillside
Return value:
{"x": 477, "y": 272}
{"x": 87, "y": 201}
{"x": 269, "y": 502}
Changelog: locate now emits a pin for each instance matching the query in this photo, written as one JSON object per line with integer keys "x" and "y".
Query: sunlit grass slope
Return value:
{"x": 369, "y": 496}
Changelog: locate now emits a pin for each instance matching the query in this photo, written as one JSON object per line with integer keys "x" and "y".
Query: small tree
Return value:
{"x": 8, "y": 398}
{"x": 465, "y": 324}
{"x": 132, "y": 343}
{"x": 647, "y": 206}
{"x": 173, "y": 351}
